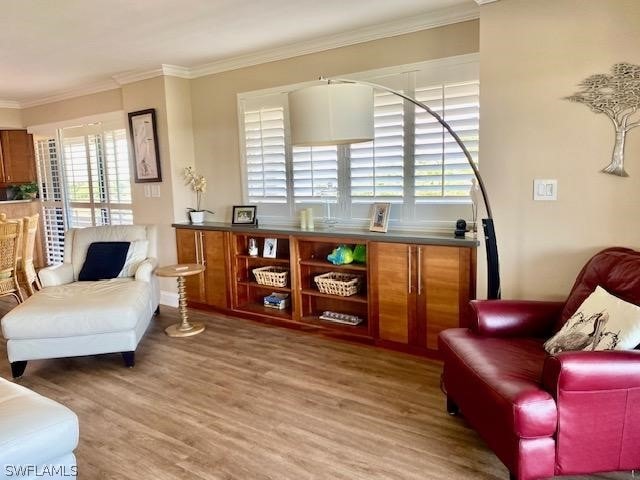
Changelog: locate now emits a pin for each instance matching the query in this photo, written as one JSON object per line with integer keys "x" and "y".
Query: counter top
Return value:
{"x": 393, "y": 236}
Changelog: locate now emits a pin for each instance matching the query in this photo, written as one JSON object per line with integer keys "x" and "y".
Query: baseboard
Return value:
{"x": 169, "y": 299}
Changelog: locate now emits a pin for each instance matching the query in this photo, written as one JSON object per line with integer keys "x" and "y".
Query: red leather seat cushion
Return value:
{"x": 505, "y": 382}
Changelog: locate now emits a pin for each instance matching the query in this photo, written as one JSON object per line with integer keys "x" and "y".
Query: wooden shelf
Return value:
{"x": 325, "y": 264}
{"x": 266, "y": 287}
{"x": 263, "y": 259}
{"x": 362, "y": 329}
{"x": 353, "y": 298}
{"x": 260, "y": 309}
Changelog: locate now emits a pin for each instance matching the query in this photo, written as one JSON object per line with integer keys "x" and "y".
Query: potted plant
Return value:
{"x": 199, "y": 185}
{"x": 25, "y": 191}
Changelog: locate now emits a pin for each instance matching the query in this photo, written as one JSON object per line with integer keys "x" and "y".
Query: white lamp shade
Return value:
{"x": 332, "y": 114}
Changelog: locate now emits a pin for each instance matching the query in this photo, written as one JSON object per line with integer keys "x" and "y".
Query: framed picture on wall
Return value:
{"x": 144, "y": 137}
{"x": 379, "y": 217}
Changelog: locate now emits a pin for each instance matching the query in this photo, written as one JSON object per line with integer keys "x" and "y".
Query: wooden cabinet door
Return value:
{"x": 216, "y": 269}
{"x": 393, "y": 290}
{"x": 189, "y": 244}
{"x": 19, "y": 165}
{"x": 444, "y": 279}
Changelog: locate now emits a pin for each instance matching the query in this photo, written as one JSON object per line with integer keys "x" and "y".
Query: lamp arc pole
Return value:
{"x": 493, "y": 270}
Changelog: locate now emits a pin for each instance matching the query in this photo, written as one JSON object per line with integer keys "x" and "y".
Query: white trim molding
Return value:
{"x": 438, "y": 18}
{"x": 413, "y": 24}
{"x": 484, "y": 2}
{"x": 170, "y": 299}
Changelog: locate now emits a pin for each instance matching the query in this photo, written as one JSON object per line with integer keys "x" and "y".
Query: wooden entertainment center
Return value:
{"x": 413, "y": 286}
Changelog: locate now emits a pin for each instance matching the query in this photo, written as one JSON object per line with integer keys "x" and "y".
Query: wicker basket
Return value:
{"x": 341, "y": 284}
{"x": 271, "y": 276}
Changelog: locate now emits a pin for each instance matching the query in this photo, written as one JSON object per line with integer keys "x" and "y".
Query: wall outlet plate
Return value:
{"x": 545, "y": 189}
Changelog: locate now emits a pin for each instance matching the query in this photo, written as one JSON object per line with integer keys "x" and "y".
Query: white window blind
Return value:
{"x": 411, "y": 163}
{"x": 315, "y": 173}
{"x": 97, "y": 176}
{"x": 264, "y": 139}
{"x": 51, "y": 197}
{"x": 377, "y": 167}
{"x": 441, "y": 169}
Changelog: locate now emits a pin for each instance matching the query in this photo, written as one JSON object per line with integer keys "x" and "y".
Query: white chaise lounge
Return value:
{"x": 69, "y": 318}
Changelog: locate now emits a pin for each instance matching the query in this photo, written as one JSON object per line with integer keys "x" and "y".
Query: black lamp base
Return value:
{"x": 493, "y": 268}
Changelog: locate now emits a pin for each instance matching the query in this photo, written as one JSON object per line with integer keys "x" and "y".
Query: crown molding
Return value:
{"x": 138, "y": 75}
{"x": 9, "y": 104}
{"x": 394, "y": 28}
{"x": 416, "y": 23}
{"x": 71, "y": 93}
{"x": 483, "y": 2}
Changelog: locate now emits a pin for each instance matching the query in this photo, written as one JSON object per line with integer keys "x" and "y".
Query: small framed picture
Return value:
{"x": 379, "y": 217}
{"x": 244, "y": 215}
{"x": 146, "y": 157}
{"x": 270, "y": 248}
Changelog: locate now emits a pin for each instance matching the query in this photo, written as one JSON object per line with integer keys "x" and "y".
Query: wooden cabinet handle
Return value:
{"x": 409, "y": 269}
{"x": 195, "y": 242}
{"x": 202, "y": 259}
{"x": 419, "y": 271}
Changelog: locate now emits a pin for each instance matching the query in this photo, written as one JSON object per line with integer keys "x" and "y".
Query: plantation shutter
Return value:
{"x": 51, "y": 197}
{"x": 118, "y": 177}
{"x": 315, "y": 173}
{"x": 264, "y": 136}
{"x": 440, "y": 167}
{"x": 377, "y": 167}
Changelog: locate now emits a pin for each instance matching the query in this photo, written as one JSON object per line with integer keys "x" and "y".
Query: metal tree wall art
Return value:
{"x": 618, "y": 96}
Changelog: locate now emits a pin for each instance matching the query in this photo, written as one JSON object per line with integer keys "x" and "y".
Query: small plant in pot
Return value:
{"x": 25, "y": 191}
{"x": 199, "y": 185}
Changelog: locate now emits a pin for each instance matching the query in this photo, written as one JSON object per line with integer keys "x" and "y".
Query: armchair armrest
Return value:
{"x": 145, "y": 270}
{"x": 514, "y": 318}
{"x": 56, "y": 275}
{"x": 592, "y": 371}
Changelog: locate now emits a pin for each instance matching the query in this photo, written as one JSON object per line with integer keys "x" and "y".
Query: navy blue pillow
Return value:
{"x": 104, "y": 260}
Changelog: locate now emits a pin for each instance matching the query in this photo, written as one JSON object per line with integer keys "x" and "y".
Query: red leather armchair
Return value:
{"x": 572, "y": 413}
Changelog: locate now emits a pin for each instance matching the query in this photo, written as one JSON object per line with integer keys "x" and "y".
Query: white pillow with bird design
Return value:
{"x": 602, "y": 322}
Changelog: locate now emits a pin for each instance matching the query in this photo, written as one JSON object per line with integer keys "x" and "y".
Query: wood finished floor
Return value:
{"x": 248, "y": 401}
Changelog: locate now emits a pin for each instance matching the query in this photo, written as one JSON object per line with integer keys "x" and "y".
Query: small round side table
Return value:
{"x": 184, "y": 328}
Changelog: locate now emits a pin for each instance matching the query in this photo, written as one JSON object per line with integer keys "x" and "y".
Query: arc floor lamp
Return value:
{"x": 340, "y": 112}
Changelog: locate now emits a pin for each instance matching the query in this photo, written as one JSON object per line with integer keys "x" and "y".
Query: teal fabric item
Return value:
{"x": 341, "y": 255}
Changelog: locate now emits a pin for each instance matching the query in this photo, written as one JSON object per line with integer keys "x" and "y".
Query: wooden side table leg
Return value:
{"x": 184, "y": 328}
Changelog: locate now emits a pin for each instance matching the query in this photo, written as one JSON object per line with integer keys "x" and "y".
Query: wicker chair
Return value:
{"x": 27, "y": 275}
{"x": 9, "y": 246}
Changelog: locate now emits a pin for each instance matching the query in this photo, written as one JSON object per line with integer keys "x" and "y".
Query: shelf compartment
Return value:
{"x": 330, "y": 266}
{"x": 358, "y": 298}
{"x": 284, "y": 261}
{"x": 260, "y": 309}
{"x": 250, "y": 283}
{"x": 361, "y": 330}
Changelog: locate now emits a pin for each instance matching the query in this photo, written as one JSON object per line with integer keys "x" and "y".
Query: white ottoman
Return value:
{"x": 37, "y": 436}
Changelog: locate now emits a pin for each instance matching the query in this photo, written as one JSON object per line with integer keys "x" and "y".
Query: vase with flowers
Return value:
{"x": 199, "y": 185}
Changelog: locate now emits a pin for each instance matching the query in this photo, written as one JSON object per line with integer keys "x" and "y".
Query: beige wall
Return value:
{"x": 532, "y": 54}
{"x": 70, "y": 109}
{"x": 214, "y": 97}
{"x": 155, "y": 210}
{"x": 10, "y": 118}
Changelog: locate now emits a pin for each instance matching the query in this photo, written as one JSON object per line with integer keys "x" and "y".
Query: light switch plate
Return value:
{"x": 147, "y": 191}
{"x": 545, "y": 189}
{"x": 155, "y": 191}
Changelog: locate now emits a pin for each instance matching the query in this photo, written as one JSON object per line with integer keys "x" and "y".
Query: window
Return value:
{"x": 412, "y": 162}
{"x": 84, "y": 181}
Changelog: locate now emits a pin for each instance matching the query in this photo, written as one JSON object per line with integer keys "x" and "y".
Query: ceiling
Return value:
{"x": 56, "y": 49}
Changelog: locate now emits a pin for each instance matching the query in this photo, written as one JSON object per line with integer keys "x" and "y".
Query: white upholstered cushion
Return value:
{"x": 81, "y": 238}
{"x": 136, "y": 254}
{"x": 80, "y": 308}
{"x": 34, "y": 430}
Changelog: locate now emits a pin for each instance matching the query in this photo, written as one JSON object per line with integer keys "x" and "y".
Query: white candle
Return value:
{"x": 303, "y": 219}
{"x": 310, "y": 224}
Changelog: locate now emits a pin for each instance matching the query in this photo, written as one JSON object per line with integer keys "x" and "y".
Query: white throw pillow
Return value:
{"x": 602, "y": 322}
{"x": 136, "y": 254}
